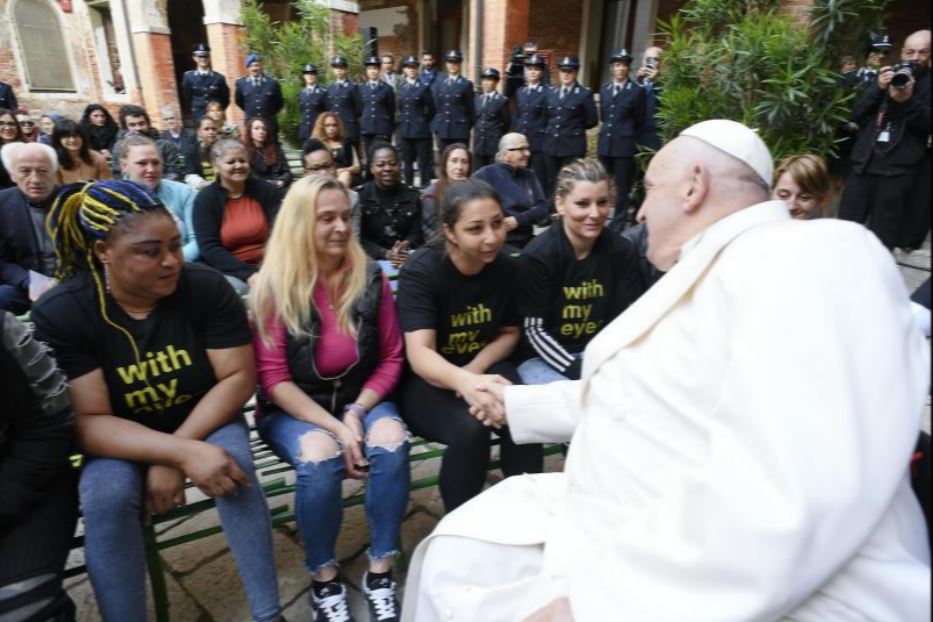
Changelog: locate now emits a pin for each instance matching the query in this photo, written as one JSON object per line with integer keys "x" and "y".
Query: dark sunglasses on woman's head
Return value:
{"x": 26, "y": 123}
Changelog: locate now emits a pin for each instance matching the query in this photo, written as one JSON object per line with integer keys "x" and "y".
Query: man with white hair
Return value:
{"x": 523, "y": 200}
{"x": 740, "y": 441}
{"x": 25, "y": 246}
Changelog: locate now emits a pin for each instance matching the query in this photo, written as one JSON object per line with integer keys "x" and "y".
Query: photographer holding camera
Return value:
{"x": 894, "y": 122}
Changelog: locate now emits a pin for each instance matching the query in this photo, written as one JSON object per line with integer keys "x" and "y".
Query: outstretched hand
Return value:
{"x": 493, "y": 387}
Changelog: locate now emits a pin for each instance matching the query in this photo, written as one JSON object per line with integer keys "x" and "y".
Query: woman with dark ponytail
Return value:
{"x": 159, "y": 361}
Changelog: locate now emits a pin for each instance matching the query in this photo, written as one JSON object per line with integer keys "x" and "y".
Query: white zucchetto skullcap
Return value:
{"x": 739, "y": 141}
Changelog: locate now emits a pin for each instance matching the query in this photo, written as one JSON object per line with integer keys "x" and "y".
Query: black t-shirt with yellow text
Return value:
{"x": 173, "y": 371}
{"x": 467, "y": 312}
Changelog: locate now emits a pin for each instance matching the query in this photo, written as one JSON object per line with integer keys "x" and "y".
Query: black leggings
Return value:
{"x": 439, "y": 415}
{"x": 33, "y": 551}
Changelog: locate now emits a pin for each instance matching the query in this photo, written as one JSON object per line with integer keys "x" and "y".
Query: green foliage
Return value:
{"x": 286, "y": 47}
{"x": 757, "y": 64}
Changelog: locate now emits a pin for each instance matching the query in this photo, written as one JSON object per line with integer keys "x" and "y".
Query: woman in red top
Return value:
{"x": 329, "y": 355}
{"x": 233, "y": 216}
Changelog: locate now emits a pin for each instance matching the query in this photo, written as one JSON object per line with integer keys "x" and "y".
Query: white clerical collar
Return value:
{"x": 763, "y": 212}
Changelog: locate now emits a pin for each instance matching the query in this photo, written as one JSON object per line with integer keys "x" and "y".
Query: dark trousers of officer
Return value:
{"x": 479, "y": 161}
{"x": 552, "y": 166}
{"x": 420, "y": 149}
{"x": 879, "y": 200}
{"x": 621, "y": 171}
{"x": 537, "y": 164}
{"x": 443, "y": 143}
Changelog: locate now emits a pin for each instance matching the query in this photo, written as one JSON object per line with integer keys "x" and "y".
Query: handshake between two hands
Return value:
{"x": 485, "y": 394}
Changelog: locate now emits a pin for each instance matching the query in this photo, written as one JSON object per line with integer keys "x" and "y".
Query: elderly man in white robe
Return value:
{"x": 740, "y": 436}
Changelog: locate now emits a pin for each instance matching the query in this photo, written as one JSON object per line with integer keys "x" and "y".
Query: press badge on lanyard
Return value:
{"x": 884, "y": 136}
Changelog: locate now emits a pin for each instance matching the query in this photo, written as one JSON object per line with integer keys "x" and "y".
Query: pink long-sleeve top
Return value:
{"x": 334, "y": 351}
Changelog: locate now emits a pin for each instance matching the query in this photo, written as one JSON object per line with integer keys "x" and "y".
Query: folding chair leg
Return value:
{"x": 156, "y": 574}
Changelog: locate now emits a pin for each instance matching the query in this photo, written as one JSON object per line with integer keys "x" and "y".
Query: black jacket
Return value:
{"x": 415, "y": 110}
{"x": 198, "y": 89}
{"x": 909, "y": 126}
{"x": 332, "y": 394}
{"x": 568, "y": 120}
{"x": 278, "y": 171}
{"x": 7, "y": 97}
{"x": 36, "y": 422}
{"x": 19, "y": 248}
{"x": 650, "y": 135}
{"x": 492, "y": 123}
{"x": 387, "y": 217}
{"x": 622, "y": 117}
{"x": 209, "y": 206}
{"x": 455, "y": 108}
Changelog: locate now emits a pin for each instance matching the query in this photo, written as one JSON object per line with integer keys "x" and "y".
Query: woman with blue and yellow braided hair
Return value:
{"x": 159, "y": 361}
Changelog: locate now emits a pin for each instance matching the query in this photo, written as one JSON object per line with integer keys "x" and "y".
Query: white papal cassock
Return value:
{"x": 740, "y": 448}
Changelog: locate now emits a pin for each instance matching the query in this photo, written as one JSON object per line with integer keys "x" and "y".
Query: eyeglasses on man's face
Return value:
{"x": 525, "y": 148}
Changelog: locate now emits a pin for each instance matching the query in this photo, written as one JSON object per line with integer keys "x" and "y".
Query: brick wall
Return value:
{"x": 556, "y": 26}
{"x": 227, "y": 57}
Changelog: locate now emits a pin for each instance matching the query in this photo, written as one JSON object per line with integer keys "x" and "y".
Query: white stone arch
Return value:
{"x": 30, "y": 82}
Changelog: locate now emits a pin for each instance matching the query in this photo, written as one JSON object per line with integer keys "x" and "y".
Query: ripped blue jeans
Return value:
{"x": 318, "y": 499}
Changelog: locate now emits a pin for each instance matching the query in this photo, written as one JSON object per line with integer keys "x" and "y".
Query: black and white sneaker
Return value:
{"x": 330, "y": 603}
{"x": 380, "y": 596}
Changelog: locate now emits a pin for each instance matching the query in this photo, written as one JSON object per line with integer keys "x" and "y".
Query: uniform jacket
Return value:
{"x": 311, "y": 102}
{"x": 455, "y": 108}
{"x": 428, "y": 76}
{"x": 7, "y": 97}
{"x": 378, "y": 115}
{"x": 415, "y": 109}
{"x": 703, "y": 456}
{"x": 568, "y": 120}
{"x": 531, "y": 114}
{"x": 492, "y": 123}
{"x": 910, "y": 127}
{"x": 197, "y": 89}
{"x": 263, "y": 101}
{"x": 346, "y": 102}
{"x": 622, "y": 117}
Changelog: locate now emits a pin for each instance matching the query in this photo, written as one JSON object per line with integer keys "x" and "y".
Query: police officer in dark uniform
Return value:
{"x": 492, "y": 119}
{"x": 571, "y": 111}
{"x": 199, "y": 86}
{"x": 878, "y": 49}
{"x": 311, "y": 102}
{"x": 453, "y": 98}
{"x": 415, "y": 111}
{"x": 259, "y": 95}
{"x": 343, "y": 99}
{"x": 7, "y": 97}
{"x": 622, "y": 112}
{"x": 377, "y": 120}
{"x": 531, "y": 113}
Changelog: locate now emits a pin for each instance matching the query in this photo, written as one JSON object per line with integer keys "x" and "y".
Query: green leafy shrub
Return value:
{"x": 756, "y": 63}
{"x": 286, "y": 47}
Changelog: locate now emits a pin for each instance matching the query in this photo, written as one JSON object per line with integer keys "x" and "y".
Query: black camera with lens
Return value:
{"x": 904, "y": 72}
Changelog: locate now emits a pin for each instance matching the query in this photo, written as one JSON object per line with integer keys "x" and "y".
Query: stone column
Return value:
{"x": 224, "y": 35}
{"x": 152, "y": 48}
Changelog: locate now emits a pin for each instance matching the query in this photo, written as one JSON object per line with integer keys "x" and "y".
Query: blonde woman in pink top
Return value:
{"x": 329, "y": 354}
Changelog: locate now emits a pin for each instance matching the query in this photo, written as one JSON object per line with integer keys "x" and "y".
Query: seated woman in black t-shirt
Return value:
{"x": 456, "y": 307}
{"x": 576, "y": 277}
{"x": 158, "y": 355}
{"x": 390, "y": 211}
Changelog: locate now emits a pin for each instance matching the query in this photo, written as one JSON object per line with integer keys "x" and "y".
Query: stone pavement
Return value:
{"x": 203, "y": 584}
